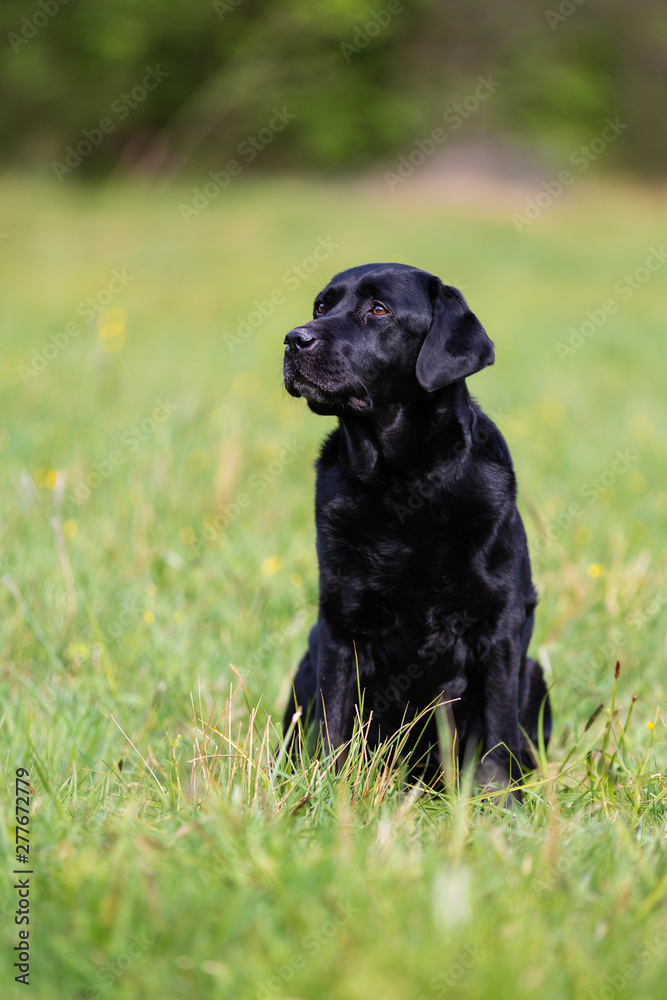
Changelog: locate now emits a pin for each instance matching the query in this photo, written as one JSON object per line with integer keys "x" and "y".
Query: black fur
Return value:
{"x": 424, "y": 566}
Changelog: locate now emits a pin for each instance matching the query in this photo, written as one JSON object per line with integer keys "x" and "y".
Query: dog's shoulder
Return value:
{"x": 332, "y": 484}
{"x": 330, "y": 451}
{"x": 487, "y": 438}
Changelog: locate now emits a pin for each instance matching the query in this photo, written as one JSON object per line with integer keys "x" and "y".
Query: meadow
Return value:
{"x": 159, "y": 580}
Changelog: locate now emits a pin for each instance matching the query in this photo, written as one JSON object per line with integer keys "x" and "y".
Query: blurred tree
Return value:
{"x": 363, "y": 82}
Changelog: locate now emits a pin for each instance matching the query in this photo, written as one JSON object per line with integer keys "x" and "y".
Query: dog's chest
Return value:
{"x": 388, "y": 558}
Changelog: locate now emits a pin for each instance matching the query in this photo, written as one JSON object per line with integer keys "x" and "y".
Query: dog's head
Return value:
{"x": 383, "y": 333}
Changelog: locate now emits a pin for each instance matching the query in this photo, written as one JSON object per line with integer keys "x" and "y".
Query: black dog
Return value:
{"x": 425, "y": 586}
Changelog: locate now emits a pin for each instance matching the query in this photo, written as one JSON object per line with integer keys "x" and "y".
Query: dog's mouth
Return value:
{"x": 333, "y": 400}
{"x": 299, "y": 385}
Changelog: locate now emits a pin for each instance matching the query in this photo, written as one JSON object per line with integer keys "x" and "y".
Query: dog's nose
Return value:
{"x": 299, "y": 339}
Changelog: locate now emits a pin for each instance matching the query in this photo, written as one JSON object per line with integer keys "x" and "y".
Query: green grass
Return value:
{"x": 233, "y": 877}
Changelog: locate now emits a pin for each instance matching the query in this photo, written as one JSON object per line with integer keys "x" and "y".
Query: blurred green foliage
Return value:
{"x": 362, "y": 80}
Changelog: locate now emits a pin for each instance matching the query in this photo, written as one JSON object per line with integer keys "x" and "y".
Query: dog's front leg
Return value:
{"x": 501, "y": 745}
{"x": 337, "y": 690}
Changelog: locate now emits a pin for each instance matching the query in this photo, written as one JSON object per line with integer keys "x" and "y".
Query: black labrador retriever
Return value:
{"x": 426, "y": 594}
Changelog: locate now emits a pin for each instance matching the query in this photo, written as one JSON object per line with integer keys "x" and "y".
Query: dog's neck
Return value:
{"x": 410, "y": 438}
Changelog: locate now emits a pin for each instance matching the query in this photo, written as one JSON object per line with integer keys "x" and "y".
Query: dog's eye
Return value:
{"x": 319, "y": 308}
{"x": 378, "y": 309}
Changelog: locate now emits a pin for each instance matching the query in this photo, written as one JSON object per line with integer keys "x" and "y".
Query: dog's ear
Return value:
{"x": 456, "y": 345}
